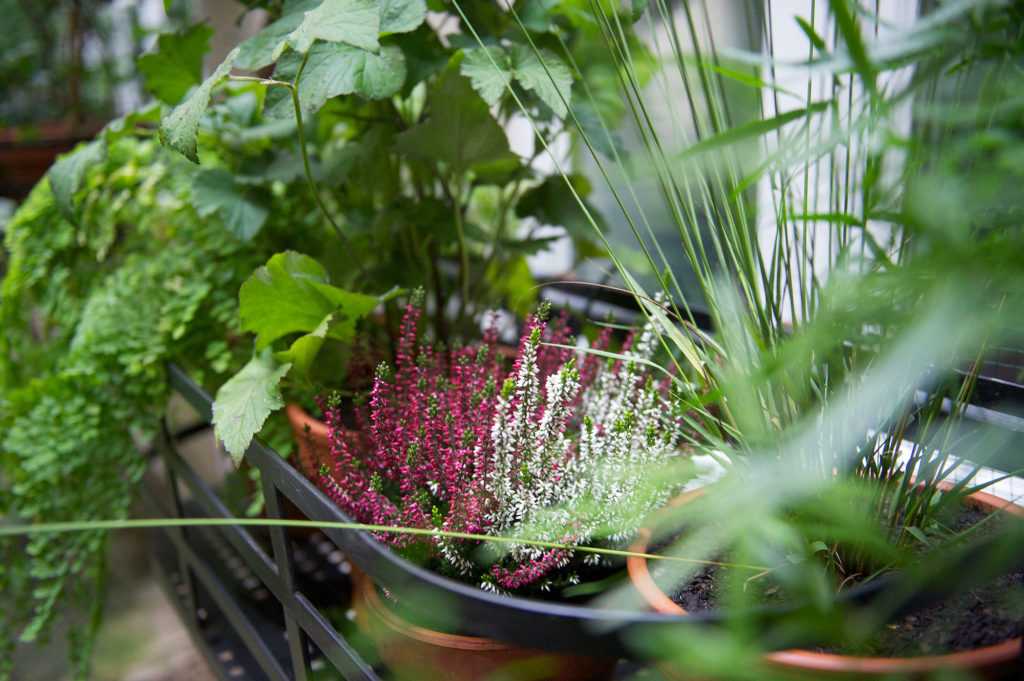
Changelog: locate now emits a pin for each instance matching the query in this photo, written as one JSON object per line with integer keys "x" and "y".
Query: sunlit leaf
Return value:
{"x": 179, "y": 129}
{"x": 353, "y": 22}
{"x": 245, "y": 401}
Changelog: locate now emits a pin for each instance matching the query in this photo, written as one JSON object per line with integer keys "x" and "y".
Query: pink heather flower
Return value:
{"x": 449, "y": 439}
{"x": 424, "y": 439}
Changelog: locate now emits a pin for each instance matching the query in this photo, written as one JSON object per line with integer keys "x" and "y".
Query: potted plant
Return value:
{"x": 403, "y": 210}
{"x": 61, "y": 76}
{"x": 548, "y": 457}
{"x": 825, "y": 361}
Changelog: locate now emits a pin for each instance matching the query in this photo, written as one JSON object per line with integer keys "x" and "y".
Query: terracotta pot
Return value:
{"x": 312, "y": 441}
{"x": 414, "y": 652}
{"x": 990, "y": 661}
{"x": 23, "y": 162}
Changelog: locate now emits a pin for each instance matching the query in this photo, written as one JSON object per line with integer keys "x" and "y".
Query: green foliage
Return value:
{"x": 552, "y": 203}
{"x": 246, "y": 400}
{"x": 460, "y": 132}
{"x": 67, "y": 173}
{"x": 92, "y": 310}
{"x": 291, "y": 294}
{"x": 353, "y": 22}
{"x": 218, "y": 192}
{"x": 176, "y": 66}
{"x": 491, "y": 70}
{"x": 333, "y": 69}
{"x": 407, "y": 161}
{"x": 179, "y": 129}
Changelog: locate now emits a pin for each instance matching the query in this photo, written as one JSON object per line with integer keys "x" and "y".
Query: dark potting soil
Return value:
{"x": 979, "y": 617}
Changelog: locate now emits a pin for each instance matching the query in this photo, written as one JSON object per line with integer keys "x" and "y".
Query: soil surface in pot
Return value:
{"x": 984, "y": 616}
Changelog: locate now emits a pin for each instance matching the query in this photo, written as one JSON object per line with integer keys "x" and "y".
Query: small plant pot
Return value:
{"x": 312, "y": 441}
{"x": 23, "y": 162}
{"x": 415, "y": 652}
{"x": 988, "y": 662}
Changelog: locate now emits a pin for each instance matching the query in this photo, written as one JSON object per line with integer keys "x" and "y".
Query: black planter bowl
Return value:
{"x": 543, "y": 625}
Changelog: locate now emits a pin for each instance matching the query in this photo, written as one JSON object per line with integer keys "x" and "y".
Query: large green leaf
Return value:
{"x": 545, "y": 74}
{"x": 180, "y": 128}
{"x": 490, "y": 69}
{"x": 291, "y": 294}
{"x": 245, "y": 401}
{"x": 67, "y": 173}
{"x": 460, "y": 131}
{"x": 260, "y": 50}
{"x": 176, "y": 66}
{"x": 401, "y": 16}
{"x": 334, "y": 69}
{"x": 305, "y": 349}
{"x": 353, "y": 22}
{"x": 216, "y": 192}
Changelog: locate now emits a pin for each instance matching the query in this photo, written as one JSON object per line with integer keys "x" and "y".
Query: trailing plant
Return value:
{"x": 546, "y": 451}
{"x": 112, "y": 273}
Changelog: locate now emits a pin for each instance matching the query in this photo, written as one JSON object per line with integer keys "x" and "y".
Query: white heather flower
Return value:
{"x": 551, "y": 487}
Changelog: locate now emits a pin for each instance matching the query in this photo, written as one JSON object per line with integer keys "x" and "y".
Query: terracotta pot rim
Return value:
{"x": 986, "y": 656}
{"x": 366, "y": 592}
{"x": 300, "y": 417}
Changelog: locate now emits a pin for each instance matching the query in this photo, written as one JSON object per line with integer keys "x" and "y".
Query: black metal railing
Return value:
{"x": 255, "y": 599}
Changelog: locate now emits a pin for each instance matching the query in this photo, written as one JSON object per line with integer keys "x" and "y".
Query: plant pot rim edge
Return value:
{"x": 807, "y": 660}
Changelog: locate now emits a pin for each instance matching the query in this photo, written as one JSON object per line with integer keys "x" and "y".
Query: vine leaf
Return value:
{"x": 216, "y": 192}
{"x": 291, "y": 294}
{"x": 179, "y": 129}
{"x": 67, "y": 174}
{"x": 354, "y": 22}
{"x": 259, "y": 50}
{"x": 460, "y": 131}
{"x": 545, "y": 74}
{"x": 305, "y": 348}
{"x": 334, "y": 69}
{"x": 401, "y": 16}
{"x": 490, "y": 75}
{"x": 245, "y": 401}
{"x": 177, "y": 63}
{"x": 488, "y": 80}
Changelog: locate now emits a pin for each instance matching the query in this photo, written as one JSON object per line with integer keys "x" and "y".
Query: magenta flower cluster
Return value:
{"x": 421, "y": 451}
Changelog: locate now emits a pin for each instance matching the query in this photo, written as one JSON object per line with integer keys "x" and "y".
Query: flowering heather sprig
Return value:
{"x": 554, "y": 488}
{"x": 443, "y": 447}
{"x": 425, "y": 436}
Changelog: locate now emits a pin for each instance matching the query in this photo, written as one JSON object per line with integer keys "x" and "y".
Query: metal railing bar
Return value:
{"x": 282, "y": 556}
{"x": 212, "y": 506}
{"x": 332, "y": 644}
{"x": 232, "y": 613}
{"x": 198, "y": 640}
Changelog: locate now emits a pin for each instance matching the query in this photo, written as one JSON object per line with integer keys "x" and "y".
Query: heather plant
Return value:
{"x": 545, "y": 451}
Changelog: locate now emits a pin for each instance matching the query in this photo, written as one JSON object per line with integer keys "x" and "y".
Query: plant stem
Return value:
{"x": 305, "y": 156}
{"x": 157, "y": 523}
{"x": 463, "y": 252}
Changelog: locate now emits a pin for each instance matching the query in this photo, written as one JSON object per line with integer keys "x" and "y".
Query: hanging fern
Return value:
{"x": 92, "y": 311}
